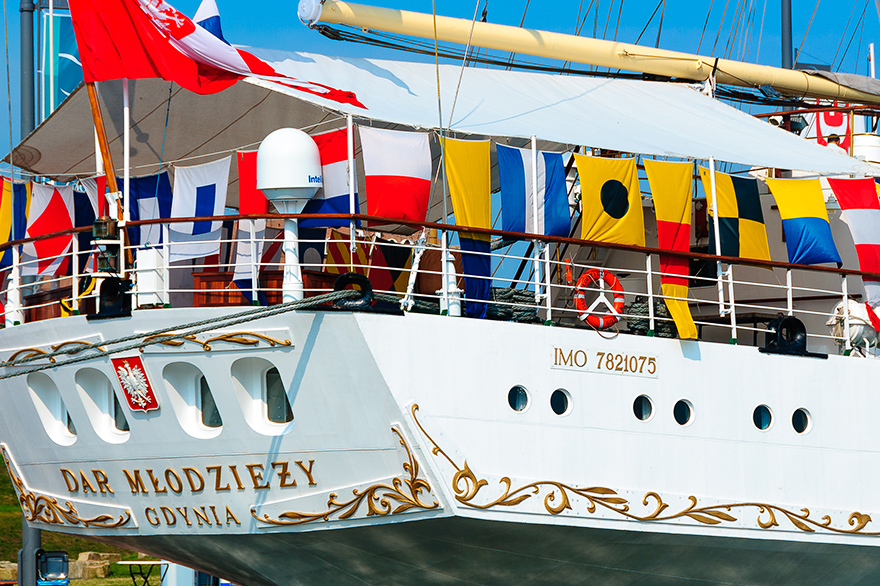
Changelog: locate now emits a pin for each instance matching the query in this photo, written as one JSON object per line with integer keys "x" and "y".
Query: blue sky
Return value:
{"x": 837, "y": 35}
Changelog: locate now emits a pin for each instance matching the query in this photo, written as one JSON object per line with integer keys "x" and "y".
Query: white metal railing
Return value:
{"x": 728, "y": 307}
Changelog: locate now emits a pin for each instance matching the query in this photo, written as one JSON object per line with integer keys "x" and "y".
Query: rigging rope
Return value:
{"x": 705, "y": 25}
{"x": 843, "y": 36}
{"x": 720, "y": 26}
{"x": 463, "y": 64}
{"x": 761, "y": 32}
{"x": 804, "y": 40}
{"x": 193, "y": 328}
{"x": 8, "y": 89}
{"x": 852, "y": 37}
{"x": 660, "y": 28}
{"x": 647, "y": 24}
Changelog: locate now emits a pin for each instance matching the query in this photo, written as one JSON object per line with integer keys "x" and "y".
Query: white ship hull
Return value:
{"x": 405, "y": 462}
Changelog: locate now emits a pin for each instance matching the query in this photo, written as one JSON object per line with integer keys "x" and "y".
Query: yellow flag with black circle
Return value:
{"x": 612, "y": 202}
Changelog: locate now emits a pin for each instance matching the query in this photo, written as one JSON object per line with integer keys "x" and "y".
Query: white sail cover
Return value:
{"x": 651, "y": 118}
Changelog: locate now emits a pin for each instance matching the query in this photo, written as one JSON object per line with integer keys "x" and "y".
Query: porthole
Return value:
{"x": 560, "y": 401}
{"x": 642, "y": 408}
{"x": 683, "y": 412}
{"x": 762, "y": 417}
{"x": 801, "y": 420}
{"x": 518, "y": 398}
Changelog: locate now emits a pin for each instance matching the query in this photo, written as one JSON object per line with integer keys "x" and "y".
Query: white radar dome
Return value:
{"x": 288, "y": 165}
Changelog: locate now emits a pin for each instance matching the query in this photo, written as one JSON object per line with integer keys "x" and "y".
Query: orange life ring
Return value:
{"x": 600, "y": 322}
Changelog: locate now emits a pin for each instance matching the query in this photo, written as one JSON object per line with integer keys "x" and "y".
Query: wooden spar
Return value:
{"x": 109, "y": 169}
{"x": 579, "y": 49}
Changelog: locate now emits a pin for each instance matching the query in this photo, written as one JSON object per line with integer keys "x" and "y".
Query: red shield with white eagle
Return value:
{"x": 134, "y": 382}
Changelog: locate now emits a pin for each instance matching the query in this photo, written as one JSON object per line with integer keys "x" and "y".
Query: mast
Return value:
{"x": 580, "y": 49}
{"x": 26, "y": 8}
{"x": 786, "y": 35}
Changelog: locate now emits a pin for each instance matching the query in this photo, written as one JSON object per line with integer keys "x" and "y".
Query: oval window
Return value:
{"x": 642, "y": 408}
{"x": 683, "y": 412}
{"x": 800, "y": 420}
{"x": 560, "y": 401}
{"x": 518, "y": 398}
{"x": 762, "y": 417}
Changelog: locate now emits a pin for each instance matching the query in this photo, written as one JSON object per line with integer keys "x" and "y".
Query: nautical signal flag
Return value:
{"x": 386, "y": 264}
{"x": 15, "y": 200}
{"x": 51, "y": 210}
{"x": 146, "y": 39}
{"x": 804, "y": 221}
{"x": 673, "y": 202}
{"x": 397, "y": 170}
{"x": 334, "y": 197}
{"x": 208, "y": 17}
{"x": 518, "y": 203}
{"x": 467, "y": 166}
{"x": 860, "y": 209}
{"x": 243, "y": 274}
{"x": 741, "y": 221}
{"x": 199, "y": 191}
{"x": 149, "y": 199}
{"x": 612, "y": 202}
{"x": 250, "y": 199}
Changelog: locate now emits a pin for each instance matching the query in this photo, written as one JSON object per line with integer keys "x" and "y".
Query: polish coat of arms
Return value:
{"x": 135, "y": 384}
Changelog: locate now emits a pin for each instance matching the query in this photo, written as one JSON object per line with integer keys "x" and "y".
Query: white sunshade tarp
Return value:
{"x": 651, "y": 118}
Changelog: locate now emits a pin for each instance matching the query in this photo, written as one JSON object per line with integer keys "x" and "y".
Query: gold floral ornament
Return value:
{"x": 31, "y": 353}
{"x": 559, "y": 497}
{"x": 240, "y": 338}
{"x": 46, "y": 509}
{"x": 403, "y": 494}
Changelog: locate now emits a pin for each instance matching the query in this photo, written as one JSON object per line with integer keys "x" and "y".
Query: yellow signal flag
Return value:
{"x": 612, "y": 202}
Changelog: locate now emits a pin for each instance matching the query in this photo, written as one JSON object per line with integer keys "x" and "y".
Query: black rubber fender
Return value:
{"x": 365, "y": 301}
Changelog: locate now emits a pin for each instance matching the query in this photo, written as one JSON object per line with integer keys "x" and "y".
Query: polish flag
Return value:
{"x": 334, "y": 197}
{"x": 143, "y": 39}
{"x": 51, "y": 210}
{"x": 397, "y": 166}
{"x": 860, "y": 210}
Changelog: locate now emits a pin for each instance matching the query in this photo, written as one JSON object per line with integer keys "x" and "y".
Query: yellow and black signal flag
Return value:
{"x": 612, "y": 203}
{"x": 673, "y": 196}
{"x": 740, "y": 219}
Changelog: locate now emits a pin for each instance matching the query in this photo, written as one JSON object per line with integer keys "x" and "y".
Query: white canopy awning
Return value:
{"x": 651, "y": 118}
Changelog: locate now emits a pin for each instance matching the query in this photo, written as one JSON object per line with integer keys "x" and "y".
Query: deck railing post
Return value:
{"x": 166, "y": 265}
{"x": 352, "y": 186}
{"x": 255, "y": 271}
{"x": 847, "y": 344}
{"x": 717, "y": 231}
{"x": 548, "y": 298}
{"x": 74, "y": 275}
{"x": 14, "y": 314}
{"x": 789, "y": 296}
{"x": 650, "y": 284}
{"x": 730, "y": 296}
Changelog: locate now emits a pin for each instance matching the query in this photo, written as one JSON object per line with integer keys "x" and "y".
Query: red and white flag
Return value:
{"x": 250, "y": 199}
{"x": 143, "y": 39}
{"x": 860, "y": 209}
{"x": 335, "y": 196}
{"x": 51, "y": 210}
{"x": 397, "y": 166}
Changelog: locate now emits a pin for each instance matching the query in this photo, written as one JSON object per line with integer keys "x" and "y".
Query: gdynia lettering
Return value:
{"x": 190, "y": 480}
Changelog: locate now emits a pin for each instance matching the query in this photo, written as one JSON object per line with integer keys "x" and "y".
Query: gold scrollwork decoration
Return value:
{"x": 558, "y": 498}
{"x": 242, "y": 338}
{"x": 47, "y": 509}
{"x": 403, "y": 494}
{"x": 26, "y": 353}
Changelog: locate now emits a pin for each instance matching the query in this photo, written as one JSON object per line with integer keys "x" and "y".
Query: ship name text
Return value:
{"x": 194, "y": 480}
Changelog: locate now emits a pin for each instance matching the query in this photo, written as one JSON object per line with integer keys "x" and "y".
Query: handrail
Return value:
{"x": 771, "y": 264}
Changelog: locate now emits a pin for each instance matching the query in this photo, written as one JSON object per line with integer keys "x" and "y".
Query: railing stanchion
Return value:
{"x": 166, "y": 265}
{"x": 845, "y": 291}
{"x": 650, "y": 284}
{"x": 789, "y": 296}
{"x": 255, "y": 271}
{"x": 547, "y": 292}
{"x": 717, "y": 232}
{"x": 74, "y": 276}
{"x": 14, "y": 314}
{"x": 732, "y": 304}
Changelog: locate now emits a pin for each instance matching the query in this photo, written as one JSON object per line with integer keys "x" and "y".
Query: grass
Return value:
{"x": 10, "y": 535}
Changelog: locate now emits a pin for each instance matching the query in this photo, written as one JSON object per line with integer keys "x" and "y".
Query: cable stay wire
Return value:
{"x": 705, "y": 25}
{"x": 804, "y": 40}
{"x": 720, "y": 27}
{"x": 843, "y": 36}
{"x": 852, "y": 37}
